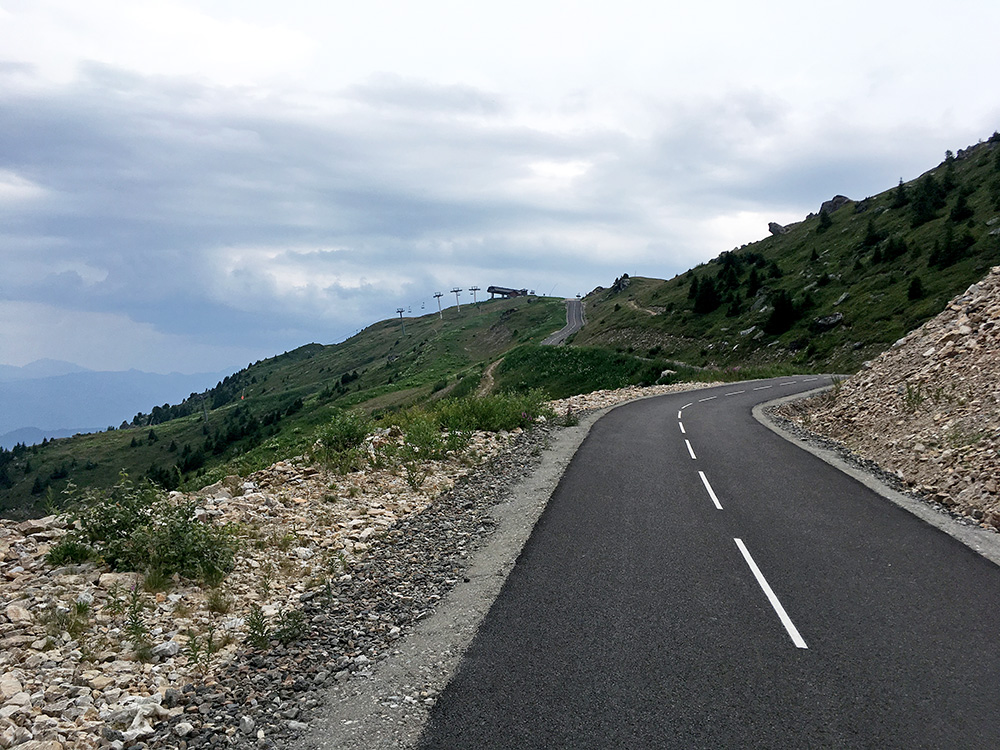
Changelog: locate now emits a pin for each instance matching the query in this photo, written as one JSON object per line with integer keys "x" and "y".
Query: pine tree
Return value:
{"x": 782, "y": 316}
{"x": 900, "y": 197}
{"x": 708, "y": 297}
{"x": 872, "y": 235}
{"x": 825, "y": 222}
{"x": 928, "y": 197}
{"x": 961, "y": 210}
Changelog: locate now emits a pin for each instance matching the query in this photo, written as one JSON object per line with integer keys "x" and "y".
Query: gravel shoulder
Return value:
{"x": 388, "y": 708}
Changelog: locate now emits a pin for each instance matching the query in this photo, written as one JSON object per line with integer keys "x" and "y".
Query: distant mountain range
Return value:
{"x": 41, "y": 368}
{"x": 50, "y": 399}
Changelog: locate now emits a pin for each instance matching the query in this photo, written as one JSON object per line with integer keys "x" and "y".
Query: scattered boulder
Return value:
{"x": 18, "y": 615}
{"x": 621, "y": 284}
{"x": 837, "y": 201}
{"x": 822, "y": 325}
{"x": 776, "y": 228}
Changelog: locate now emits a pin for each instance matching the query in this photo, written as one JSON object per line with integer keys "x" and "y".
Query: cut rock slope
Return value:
{"x": 928, "y": 409}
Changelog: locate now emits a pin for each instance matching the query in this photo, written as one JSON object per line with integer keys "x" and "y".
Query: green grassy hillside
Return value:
{"x": 272, "y": 408}
{"x": 831, "y": 292}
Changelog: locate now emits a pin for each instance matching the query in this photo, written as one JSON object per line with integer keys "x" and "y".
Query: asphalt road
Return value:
{"x": 806, "y": 611}
{"x": 574, "y": 322}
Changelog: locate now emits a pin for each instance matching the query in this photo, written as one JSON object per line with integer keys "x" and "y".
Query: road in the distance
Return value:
{"x": 698, "y": 582}
{"x": 574, "y": 322}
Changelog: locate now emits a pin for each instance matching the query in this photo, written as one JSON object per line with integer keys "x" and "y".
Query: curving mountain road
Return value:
{"x": 574, "y": 322}
{"x": 696, "y": 581}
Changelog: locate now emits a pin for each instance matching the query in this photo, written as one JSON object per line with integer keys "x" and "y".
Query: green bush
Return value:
{"x": 258, "y": 634}
{"x": 290, "y": 626}
{"x": 136, "y": 527}
{"x": 175, "y": 541}
{"x": 495, "y": 412}
{"x": 423, "y": 438}
{"x": 339, "y": 442}
{"x": 69, "y": 551}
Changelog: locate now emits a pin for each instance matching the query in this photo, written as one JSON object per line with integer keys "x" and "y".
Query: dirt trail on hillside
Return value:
{"x": 635, "y": 306}
{"x": 487, "y": 382}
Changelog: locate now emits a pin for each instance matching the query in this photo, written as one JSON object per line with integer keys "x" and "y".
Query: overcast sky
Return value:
{"x": 189, "y": 185}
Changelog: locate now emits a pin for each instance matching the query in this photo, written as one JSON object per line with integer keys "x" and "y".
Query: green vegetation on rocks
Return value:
{"x": 134, "y": 526}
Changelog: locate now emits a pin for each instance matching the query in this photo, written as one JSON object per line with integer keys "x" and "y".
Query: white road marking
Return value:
{"x": 690, "y": 449}
{"x": 708, "y": 487}
{"x": 678, "y": 415}
{"x": 790, "y": 382}
{"x": 706, "y": 399}
{"x": 735, "y": 393}
{"x": 681, "y": 425}
{"x": 809, "y": 380}
{"x": 763, "y": 387}
{"x": 687, "y": 405}
{"x": 782, "y": 615}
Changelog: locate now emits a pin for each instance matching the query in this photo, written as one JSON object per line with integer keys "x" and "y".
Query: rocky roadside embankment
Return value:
{"x": 341, "y": 567}
{"x": 928, "y": 409}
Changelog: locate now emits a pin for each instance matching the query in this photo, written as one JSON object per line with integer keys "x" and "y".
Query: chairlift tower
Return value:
{"x": 400, "y": 310}
{"x": 456, "y": 291}
{"x": 438, "y": 296}
{"x": 474, "y": 289}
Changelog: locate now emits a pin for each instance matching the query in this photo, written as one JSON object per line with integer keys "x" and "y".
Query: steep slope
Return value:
{"x": 928, "y": 409}
{"x": 826, "y": 293}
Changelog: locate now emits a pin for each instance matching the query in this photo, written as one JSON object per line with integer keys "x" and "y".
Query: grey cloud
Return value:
{"x": 156, "y": 180}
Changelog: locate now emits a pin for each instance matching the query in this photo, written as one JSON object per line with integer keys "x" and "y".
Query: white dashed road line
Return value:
{"x": 763, "y": 387}
{"x": 681, "y": 425}
{"x": 690, "y": 449}
{"x": 782, "y": 615}
{"x": 735, "y": 393}
{"x": 706, "y": 399}
{"x": 711, "y": 492}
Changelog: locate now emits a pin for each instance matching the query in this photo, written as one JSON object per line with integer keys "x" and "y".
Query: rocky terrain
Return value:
{"x": 339, "y": 565}
{"x": 928, "y": 409}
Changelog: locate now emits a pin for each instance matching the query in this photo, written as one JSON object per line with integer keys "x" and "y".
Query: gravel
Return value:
{"x": 268, "y": 698}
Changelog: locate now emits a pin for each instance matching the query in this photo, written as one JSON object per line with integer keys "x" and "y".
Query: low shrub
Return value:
{"x": 69, "y": 551}
{"x": 495, "y": 412}
{"x": 338, "y": 444}
{"x": 135, "y": 527}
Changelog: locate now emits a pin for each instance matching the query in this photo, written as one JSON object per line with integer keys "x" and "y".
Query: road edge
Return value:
{"x": 979, "y": 540}
{"x": 356, "y": 714}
